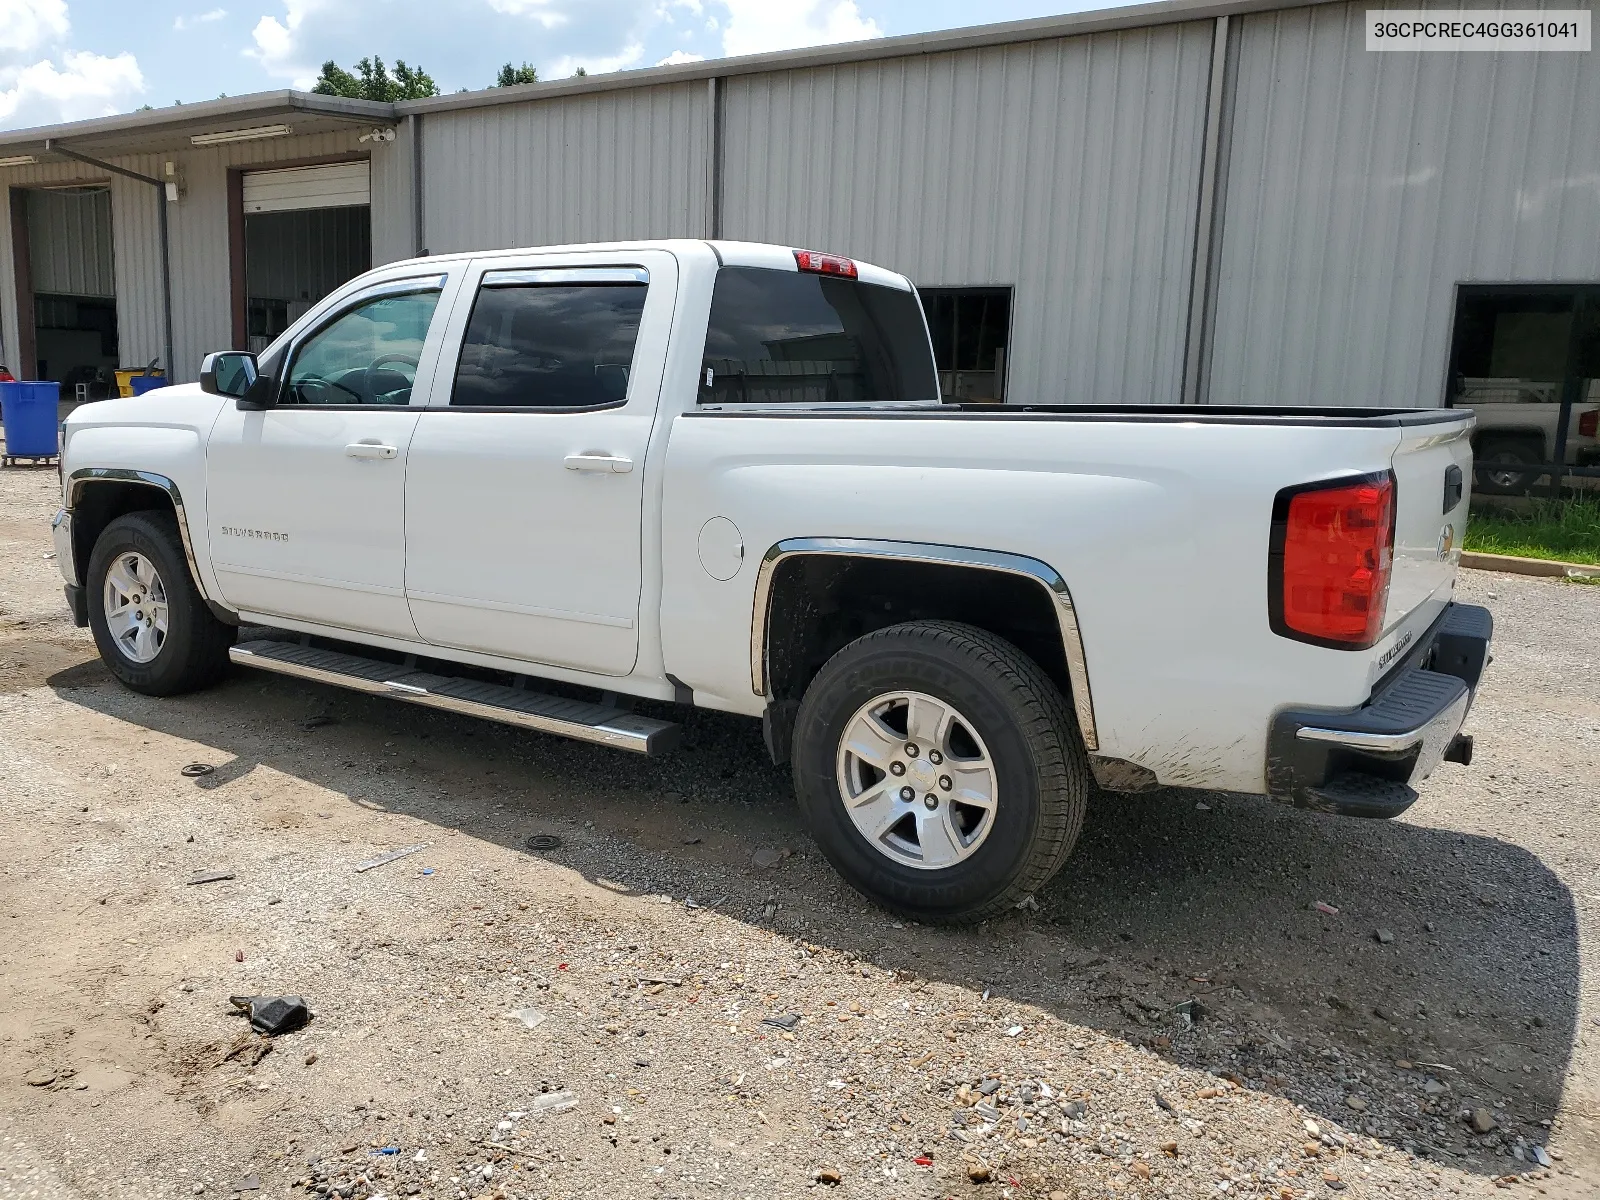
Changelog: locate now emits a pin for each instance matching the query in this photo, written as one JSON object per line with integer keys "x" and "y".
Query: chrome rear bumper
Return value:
{"x": 1367, "y": 761}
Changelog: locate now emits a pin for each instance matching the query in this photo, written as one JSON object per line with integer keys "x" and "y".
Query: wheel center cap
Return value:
{"x": 922, "y": 773}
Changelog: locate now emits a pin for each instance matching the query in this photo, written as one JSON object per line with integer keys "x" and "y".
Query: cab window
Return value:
{"x": 366, "y": 355}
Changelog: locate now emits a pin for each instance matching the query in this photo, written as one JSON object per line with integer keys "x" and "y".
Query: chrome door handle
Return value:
{"x": 605, "y": 463}
{"x": 369, "y": 450}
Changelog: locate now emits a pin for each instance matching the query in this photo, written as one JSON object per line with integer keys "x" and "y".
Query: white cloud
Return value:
{"x": 276, "y": 44}
{"x": 679, "y": 57}
{"x": 26, "y": 25}
{"x": 205, "y": 18}
{"x": 543, "y": 12}
{"x": 630, "y": 56}
{"x": 756, "y": 26}
{"x": 85, "y": 85}
{"x": 44, "y": 82}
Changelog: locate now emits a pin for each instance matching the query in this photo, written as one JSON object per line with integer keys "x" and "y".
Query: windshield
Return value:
{"x": 786, "y": 337}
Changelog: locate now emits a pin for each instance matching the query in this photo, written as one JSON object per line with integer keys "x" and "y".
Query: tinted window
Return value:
{"x": 549, "y": 345}
{"x": 367, "y": 355}
{"x": 781, "y": 337}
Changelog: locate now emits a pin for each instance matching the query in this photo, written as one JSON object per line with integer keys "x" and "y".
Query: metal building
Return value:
{"x": 1180, "y": 201}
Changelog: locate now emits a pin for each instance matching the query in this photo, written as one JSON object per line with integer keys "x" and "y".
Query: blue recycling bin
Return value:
{"x": 140, "y": 384}
{"x": 28, "y": 411}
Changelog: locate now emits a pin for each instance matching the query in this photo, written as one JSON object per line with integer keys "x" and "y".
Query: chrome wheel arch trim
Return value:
{"x": 1041, "y": 573}
{"x": 84, "y": 476}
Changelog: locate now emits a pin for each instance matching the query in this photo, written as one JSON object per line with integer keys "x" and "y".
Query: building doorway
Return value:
{"x": 1526, "y": 359}
{"x": 306, "y": 230}
{"x": 971, "y": 328}
{"x": 69, "y": 314}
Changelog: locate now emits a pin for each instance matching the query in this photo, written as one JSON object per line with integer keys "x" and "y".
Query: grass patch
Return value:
{"x": 1567, "y": 529}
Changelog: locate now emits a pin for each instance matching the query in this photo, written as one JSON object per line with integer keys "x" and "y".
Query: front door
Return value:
{"x": 524, "y": 493}
{"x": 306, "y": 501}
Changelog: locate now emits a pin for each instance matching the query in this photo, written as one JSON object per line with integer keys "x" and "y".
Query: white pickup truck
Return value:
{"x": 572, "y": 488}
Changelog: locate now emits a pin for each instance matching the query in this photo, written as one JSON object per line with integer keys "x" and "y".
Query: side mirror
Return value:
{"x": 228, "y": 373}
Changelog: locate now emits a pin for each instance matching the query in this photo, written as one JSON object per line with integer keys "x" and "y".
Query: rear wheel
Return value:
{"x": 149, "y": 621}
{"x": 940, "y": 771}
{"x": 1501, "y": 468}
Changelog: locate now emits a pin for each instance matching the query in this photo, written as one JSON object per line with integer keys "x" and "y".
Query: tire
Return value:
{"x": 1007, "y": 713}
{"x": 1497, "y": 468}
{"x": 192, "y": 653}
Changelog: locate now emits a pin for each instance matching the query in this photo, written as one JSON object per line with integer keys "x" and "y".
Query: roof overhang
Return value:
{"x": 167, "y": 130}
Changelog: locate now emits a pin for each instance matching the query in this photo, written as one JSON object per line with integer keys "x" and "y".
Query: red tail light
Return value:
{"x": 824, "y": 264}
{"x": 1331, "y": 553}
{"x": 1589, "y": 423}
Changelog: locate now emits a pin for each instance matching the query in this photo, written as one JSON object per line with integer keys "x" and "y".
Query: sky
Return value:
{"x": 65, "y": 60}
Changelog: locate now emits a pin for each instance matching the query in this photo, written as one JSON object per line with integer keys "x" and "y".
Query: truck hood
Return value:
{"x": 180, "y": 404}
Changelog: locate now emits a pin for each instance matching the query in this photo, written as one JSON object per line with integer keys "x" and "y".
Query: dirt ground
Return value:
{"x": 1176, "y": 1018}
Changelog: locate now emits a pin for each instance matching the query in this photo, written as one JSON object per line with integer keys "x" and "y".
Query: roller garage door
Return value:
{"x": 306, "y": 231}
{"x": 336, "y": 185}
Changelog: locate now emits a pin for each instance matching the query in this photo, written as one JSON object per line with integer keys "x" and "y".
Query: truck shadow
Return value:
{"x": 1448, "y": 976}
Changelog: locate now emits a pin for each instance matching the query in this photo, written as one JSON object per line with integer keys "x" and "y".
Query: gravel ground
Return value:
{"x": 1175, "y": 1019}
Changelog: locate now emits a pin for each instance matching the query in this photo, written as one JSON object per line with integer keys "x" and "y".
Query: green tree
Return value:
{"x": 580, "y": 72}
{"x": 511, "y": 76}
{"x": 372, "y": 81}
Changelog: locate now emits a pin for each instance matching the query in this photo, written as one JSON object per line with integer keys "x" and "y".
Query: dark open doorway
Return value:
{"x": 1526, "y": 359}
{"x": 298, "y": 231}
{"x": 971, "y": 328}
{"x": 66, "y": 303}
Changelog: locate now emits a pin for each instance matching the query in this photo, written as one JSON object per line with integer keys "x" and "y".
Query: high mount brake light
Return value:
{"x": 1331, "y": 555}
{"x": 825, "y": 264}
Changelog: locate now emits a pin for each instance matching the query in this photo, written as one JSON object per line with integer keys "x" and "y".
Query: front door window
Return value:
{"x": 366, "y": 355}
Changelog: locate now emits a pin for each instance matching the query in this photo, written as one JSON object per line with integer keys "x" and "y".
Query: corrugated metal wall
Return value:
{"x": 69, "y": 239}
{"x": 1068, "y": 169}
{"x": 587, "y": 168}
{"x": 1362, "y": 187}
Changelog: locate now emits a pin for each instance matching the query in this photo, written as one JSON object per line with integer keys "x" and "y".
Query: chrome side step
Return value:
{"x": 604, "y": 724}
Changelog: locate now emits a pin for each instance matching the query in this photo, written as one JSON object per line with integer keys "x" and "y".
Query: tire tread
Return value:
{"x": 1048, "y": 727}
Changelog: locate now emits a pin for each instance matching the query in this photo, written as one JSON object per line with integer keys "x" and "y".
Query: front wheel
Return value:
{"x": 151, "y": 624}
{"x": 940, "y": 771}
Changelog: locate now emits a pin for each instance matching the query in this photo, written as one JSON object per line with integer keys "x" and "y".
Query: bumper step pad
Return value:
{"x": 603, "y": 724}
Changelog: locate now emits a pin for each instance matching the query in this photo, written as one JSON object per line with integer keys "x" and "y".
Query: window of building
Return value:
{"x": 1526, "y": 359}
{"x": 549, "y": 345}
{"x": 971, "y": 328}
{"x": 783, "y": 337}
{"x": 366, "y": 355}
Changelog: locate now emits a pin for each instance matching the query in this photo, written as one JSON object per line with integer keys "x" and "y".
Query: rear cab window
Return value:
{"x": 790, "y": 337}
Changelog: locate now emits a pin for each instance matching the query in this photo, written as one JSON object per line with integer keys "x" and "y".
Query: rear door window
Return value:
{"x": 550, "y": 339}
{"x": 787, "y": 337}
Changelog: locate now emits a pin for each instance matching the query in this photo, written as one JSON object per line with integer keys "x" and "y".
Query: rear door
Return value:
{"x": 525, "y": 487}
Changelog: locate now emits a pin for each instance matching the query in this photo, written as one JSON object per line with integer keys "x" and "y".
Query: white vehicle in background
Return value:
{"x": 1518, "y": 426}
{"x": 571, "y": 488}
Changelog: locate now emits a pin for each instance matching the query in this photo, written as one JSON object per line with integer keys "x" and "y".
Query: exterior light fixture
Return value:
{"x": 20, "y": 160}
{"x": 240, "y": 135}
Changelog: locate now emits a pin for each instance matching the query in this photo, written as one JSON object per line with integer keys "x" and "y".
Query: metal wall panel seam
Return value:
{"x": 1205, "y": 230}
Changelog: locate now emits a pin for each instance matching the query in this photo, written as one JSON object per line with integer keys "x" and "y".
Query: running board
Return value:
{"x": 604, "y": 724}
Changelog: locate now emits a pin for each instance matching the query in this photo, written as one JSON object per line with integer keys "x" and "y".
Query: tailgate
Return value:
{"x": 1432, "y": 473}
